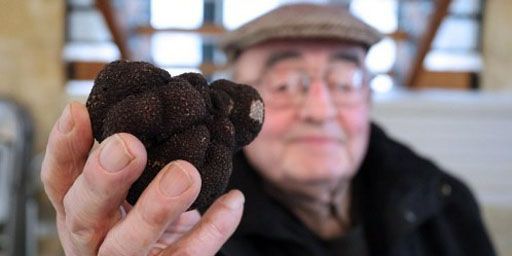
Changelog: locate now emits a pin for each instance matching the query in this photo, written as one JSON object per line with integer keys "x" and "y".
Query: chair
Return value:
{"x": 17, "y": 206}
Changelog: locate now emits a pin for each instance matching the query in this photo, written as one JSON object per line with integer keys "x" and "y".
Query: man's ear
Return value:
{"x": 249, "y": 66}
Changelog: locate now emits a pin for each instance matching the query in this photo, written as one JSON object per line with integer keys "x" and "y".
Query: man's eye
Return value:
{"x": 282, "y": 87}
{"x": 344, "y": 87}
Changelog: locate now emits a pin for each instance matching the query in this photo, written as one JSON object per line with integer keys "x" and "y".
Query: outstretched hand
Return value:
{"x": 88, "y": 188}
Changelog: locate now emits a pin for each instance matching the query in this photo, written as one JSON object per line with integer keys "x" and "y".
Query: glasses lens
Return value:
{"x": 346, "y": 84}
{"x": 284, "y": 87}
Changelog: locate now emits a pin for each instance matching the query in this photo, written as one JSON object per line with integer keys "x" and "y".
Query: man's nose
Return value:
{"x": 318, "y": 104}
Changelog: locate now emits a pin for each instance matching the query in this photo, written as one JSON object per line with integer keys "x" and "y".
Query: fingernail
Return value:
{"x": 234, "y": 200}
{"x": 66, "y": 122}
{"x": 114, "y": 156}
{"x": 175, "y": 180}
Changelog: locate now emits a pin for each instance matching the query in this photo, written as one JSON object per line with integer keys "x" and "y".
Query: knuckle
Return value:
{"x": 106, "y": 250}
{"x": 76, "y": 225}
{"x": 113, "y": 249}
{"x": 51, "y": 187}
{"x": 45, "y": 175}
{"x": 81, "y": 234}
{"x": 155, "y": 251}
{"x": 184, "y": 253}
{"x": 67, "y": 201}
{"x": 214, "y": 231}
{"x": 48, "y": 186}
{"x": 181, "y": 251}
{"x": 153, "y": 212}
{"x": 153, "y": 218}
{"x": 78, "y": 229}
{"x": 125, "y": 244}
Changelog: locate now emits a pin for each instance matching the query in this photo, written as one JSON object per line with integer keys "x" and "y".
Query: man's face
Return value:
{"x": 316, "y": 117}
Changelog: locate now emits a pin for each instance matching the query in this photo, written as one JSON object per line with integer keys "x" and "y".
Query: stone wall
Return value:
{"x": 31, "y": 73}
{"x": 497, "y": 46}
{"x": 31, "y": 70}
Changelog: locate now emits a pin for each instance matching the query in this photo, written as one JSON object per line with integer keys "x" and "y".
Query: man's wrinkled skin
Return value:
{"x": 87, "y": 188}
{"x": 310, "y": 152}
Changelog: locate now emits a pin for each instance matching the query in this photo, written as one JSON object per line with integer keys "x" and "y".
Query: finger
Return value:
{"x": 185, "y": 222}
{"x": 92, "y": 203}
{"x": 68, "y": 145}
{"x": 170, "y": 194}
{"x": 215, "y": 227}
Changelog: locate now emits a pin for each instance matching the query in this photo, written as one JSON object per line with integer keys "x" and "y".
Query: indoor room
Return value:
{"x": 436, "y": 75}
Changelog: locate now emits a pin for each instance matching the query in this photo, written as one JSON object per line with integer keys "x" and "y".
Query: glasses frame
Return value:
{"x": 347, "y": 98}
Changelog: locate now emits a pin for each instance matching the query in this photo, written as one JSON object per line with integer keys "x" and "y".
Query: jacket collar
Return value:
{"x": 398, "y": 190}
{"x": 262, "y": 214}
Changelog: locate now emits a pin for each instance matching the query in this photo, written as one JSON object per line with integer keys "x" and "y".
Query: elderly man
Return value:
{"x": 320, "y": 179}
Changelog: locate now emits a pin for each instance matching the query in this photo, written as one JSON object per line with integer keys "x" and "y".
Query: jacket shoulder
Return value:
{"x": 463, "y": 216}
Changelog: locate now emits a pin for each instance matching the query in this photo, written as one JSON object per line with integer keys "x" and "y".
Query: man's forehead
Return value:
{"x": 278, "y": 49}
{"x": 310, "y": 55}
{"x": 264, "y": 54}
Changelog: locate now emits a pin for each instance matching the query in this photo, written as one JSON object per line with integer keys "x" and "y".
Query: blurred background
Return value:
{"x": 442, "y": 85}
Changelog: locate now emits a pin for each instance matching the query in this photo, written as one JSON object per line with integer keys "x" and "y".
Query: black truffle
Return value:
{"x": 177, "y": 117}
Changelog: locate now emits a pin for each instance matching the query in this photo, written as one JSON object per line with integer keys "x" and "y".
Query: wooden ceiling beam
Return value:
{"x": 426, "y": 40}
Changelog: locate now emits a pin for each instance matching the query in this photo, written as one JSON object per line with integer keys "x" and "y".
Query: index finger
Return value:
{"x": 68, "y": 146}
{"x": 216, "y": 226}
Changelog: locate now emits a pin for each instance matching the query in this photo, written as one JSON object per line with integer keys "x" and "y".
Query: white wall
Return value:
{"x": 468, "y": 134}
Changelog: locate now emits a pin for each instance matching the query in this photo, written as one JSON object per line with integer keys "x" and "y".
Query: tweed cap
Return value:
{"x": 300, "y": 21}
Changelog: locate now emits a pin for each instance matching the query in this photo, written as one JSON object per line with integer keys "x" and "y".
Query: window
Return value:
{"x": 383, "y": 15}
{"x": 177, "y": 38}
{"x": 176, "y": 14}
{"x": 176, "y": 49}
{"x": 238, "y": 12}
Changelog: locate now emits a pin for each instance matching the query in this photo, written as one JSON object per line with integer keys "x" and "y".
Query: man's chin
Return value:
{"x": 319, "y": 171}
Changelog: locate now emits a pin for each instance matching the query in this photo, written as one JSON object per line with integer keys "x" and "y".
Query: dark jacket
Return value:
{"x": 405, "y": 205}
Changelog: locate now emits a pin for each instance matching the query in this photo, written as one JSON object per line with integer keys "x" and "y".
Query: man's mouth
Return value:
{"x": 317, "y": 140}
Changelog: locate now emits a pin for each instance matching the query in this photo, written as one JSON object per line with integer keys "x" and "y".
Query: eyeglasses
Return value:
{"x": 283, "y": 87}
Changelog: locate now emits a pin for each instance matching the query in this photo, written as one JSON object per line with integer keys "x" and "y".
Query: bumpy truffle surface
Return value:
{"x": 180, "y": 117}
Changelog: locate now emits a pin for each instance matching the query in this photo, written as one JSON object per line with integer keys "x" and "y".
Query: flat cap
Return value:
{"x": 308, "y": 21}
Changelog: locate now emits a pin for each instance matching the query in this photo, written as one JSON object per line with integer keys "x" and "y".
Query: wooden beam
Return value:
{"x": 426, "y": 41}
{"x": 446, "y": 80}
{"x": 206, "y": 29}
{"x": 119, "y": 35}
{"x": 79, "y": 70}
{"x": 83, "y": 70}
{"x": 399, "y": 35}
{"x": 208, "y": 68}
